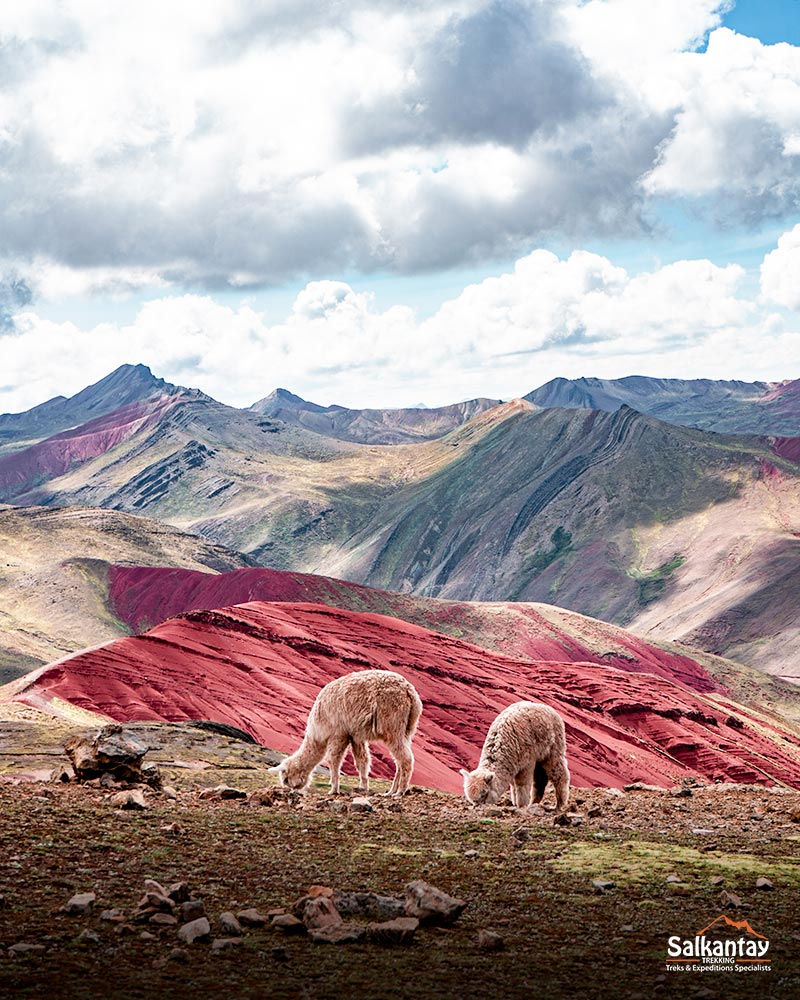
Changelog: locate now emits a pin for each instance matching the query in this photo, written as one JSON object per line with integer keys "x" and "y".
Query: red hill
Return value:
{"x": 143, "y": 596}
{"x": 259, "y": 666}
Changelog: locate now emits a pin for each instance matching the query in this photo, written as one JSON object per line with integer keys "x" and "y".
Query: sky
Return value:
{"x": 383, "y": 204}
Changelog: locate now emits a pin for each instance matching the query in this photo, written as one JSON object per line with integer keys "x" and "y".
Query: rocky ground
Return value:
{"x": 578, "y": 908}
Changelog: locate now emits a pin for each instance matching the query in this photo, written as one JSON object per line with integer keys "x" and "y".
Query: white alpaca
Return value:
{"x": 525, "y": 746}
{"x": 353, "y": 711}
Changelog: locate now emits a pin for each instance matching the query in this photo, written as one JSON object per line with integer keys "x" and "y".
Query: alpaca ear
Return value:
{"x": 464, "y": 772}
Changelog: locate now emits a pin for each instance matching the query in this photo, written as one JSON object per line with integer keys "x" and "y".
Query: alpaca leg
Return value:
{"x": 522, "y": 787}
{"x": 361, "y": 756}
{"x": 404, "y": 764}
{"x": 558, "y": 772}
{"x": 539, "y": 781}
{"x": 337, "y": 748}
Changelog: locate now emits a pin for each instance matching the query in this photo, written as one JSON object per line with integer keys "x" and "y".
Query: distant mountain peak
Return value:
{"x": 283, "y": 399}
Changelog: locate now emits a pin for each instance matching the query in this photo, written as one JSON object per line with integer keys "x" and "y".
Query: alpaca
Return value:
{"x": 353, "y": 711}
{"x": 525, "y": 746}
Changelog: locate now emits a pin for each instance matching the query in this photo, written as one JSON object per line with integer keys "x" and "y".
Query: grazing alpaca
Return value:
{"x": 525, "y": 746}
{"x": 353, "y": 711}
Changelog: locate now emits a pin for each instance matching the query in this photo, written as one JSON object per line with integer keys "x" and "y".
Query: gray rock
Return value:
{"x": 288, "y": 923}
{"x": 223, "y": 792}
{"x": 24, "y": 948}
{"x": 147, "y": 936}
{"x": 193, "y": 909}
{"x": 603, "y": 885}
{"x": 81, "y": 904}
{"x": 472, "y": 854}
{"x": 370, "y": 905}
{"x": 113, "y": 916}
{"x": 430, "y": 905}
{"x": 178, "y": 955}
{"x": 163, "y": 920}
{"x": 195, "y": 930}
{"x": 110, "y": 750}
{"x": 393, "y": 932}
{"x": 360, "y": 804}
{"x": 229, "y": 926}
{"x": 219, "y": 945}
{"x": 490, "y": 941}
{"x": 88, "y": 938}
{"x": 251, "y": 918}
{"x": 320, "y": 912}
{"x": 764, "y": 883}
{"x": 729, "y": 899}
{"x": 169, "y": 793}
{"x": 338, "y": 934}
{"x": 131, "y": 799}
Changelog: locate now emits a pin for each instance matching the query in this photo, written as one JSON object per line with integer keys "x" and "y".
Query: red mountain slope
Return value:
{"x": 143, "y": 596}
{"x": 259, "y": 666}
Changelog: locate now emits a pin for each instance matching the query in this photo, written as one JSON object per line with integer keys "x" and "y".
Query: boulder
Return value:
{"x": 113, "y": 751}
{"x": 80, "y": 905}
{"x": 393, "y": 932}
{"x": 229, "y": 926}
{"x": 432, "y": 906}
{"x": 251, "y": 918}
{"x": 319, "y": 911}
{"x": 195, "y": 930}
{"x": 370, "y": 905}
{"x": 338, "y": 934}
{"x": 490, "y": 941}
{"x": 287, "y": 923}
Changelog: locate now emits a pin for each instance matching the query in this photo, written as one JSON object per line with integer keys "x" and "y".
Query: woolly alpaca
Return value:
{"x": 525, "y": 746}
{"x": 353, "y": 711}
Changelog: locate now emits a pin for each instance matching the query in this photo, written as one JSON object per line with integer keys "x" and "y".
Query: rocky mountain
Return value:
{"x": 730, "y": 407}
{"x": 616, "y": 515}
{"x": 259, "y": 666}
{"x": 391, "y": 426}
{"x": 128, "y": 384}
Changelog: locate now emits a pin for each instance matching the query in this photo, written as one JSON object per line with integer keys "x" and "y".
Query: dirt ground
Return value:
{"x": 670, "y": 856}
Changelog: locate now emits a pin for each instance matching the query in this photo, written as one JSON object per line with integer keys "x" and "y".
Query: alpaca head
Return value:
{"x": 292, "y": 774}
{"x": 481, "y": 786}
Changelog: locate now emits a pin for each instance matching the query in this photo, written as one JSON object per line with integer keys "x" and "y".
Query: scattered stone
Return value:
{"x": 430, "y": 905}
{"x": 88, "y": 938}
{"x": 195, "y": 930}
{"x": 229, "y": 926}
{"x": 169, "y": 793}
{"x": 172, "y": 829}
{"x": 163, "y": 920}
{"x": 672, "y": 878}
{"x": 522, "y": 834}
{"x": 320, "y": 890}
{"x": 179, "y": 892}
{"x": 627, "y": 929}
{"x": 147, "y": 936}
{"x": 81, "y": 904}
{"x": 124, "y": 930}
{"x": 113, "y": 916}
{"x": 287, "y": 923}
{"x": 393, "y": 932}
{"x": 370, "y": 905}
{"x": 681, "y": 792}
{"x": 219, "y": 945}
{"x": 490, "y": 941}
{"x": 594, "y": 811}
{"x": 794, "y": 815}
{"x": 251, "y": 918}
{"x": 280, "y": 954}
{"x": 150, "y": 885}
{"x": 24, "y": 948}
{"x": 472, "y": 854}
{"x": 319, "y": 911}
{"x": 338, "y": 934}
{"x": 156, "y": 901}
{"x": 764, "y": 883}
{"x": 277, "y": 912}
{"x": 537, "y": 810}
{"x": 701, "y": 832}
{"x": 192, "y": 909}
{"x": 569, "y": 819}
{"x": 641, "y": 786}
{"x": 107, "y": 780}
{"x": 178, "y": 955}
{"x": 729, "y": 899}
{"x": 360, "y": 804}
{"x": 603, "y": 885}
{"x": 63, "y": 774}
{"x": 266, "y": 796}
{"x": 223, "y": 792}
{"x": 615, "y": 792}
{"x": 718, "y": 880}
{"x": 131, "y": 799}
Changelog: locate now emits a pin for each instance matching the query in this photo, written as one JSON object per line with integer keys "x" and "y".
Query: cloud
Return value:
{"x": 499, "y": 337}
{"x": 15, "y": 293}
{"x": 780, "y": 271}
{"x": 227, "y": 144}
